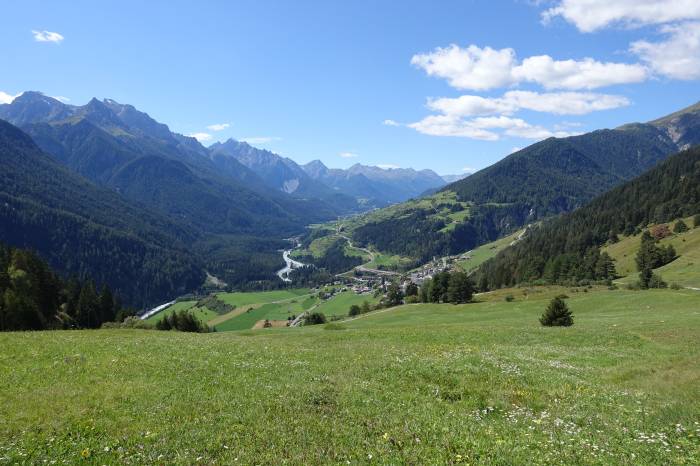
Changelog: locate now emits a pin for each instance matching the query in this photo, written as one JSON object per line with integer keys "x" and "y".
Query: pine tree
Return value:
{"x": 557, "y": 314}
{"x": 88, "y": 309}
{"x": 107, "y": 311}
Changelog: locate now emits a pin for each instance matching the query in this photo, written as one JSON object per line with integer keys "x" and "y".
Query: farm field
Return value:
{"x": 480, "y": 383}
{"x": 261, "y": 297}
{"x": 339, "y": 305}
{"x": 272, "y": 311}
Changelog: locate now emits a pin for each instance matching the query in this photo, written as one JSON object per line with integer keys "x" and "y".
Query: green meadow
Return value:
{"x": 480, "y": 383}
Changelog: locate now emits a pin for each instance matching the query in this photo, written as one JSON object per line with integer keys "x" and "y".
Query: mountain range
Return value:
{"x": 375, "y": 186}
{"x": 223, "y": 209}
{"x": 550, "y": 177}
{"x": 357, "y": 188}
{"x": 105, "y": 191}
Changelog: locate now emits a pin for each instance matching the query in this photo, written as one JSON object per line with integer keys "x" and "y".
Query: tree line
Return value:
{"x": 33, "y": 297}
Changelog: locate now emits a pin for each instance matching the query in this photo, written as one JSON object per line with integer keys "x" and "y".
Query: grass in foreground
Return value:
{"x": 423, "y": 384}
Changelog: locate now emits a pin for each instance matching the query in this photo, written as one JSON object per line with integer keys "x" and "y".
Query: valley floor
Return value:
{"x": 480, "y": 383}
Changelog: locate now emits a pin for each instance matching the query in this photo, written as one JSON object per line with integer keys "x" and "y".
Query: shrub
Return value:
{"x": 509, "y": 298}
{"x": 314, "y": 318}
{"x": 660, "y": 231}
{"x": 131, "y": 322}
{"x": 557, "y": 314}
{"x": 354, "y": 310}
{"x": 680, "y": 227}
{"x": 696, "y": 221}
{"x": 657, "y": 282}
{"x": 413, "y": 299}
{"x": 675, "y": 286}
{"x": 184, "y": 321}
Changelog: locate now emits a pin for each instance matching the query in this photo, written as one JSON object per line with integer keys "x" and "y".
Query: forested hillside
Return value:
{"x": 234, "y": 221}
{"x": 90, "y": 232}
{"x": 566, "y": 249}
{"x": 33, "y": 297}
{"x": 547, "y": 178}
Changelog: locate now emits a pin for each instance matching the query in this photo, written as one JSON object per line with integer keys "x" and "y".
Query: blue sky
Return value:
{"x": 447, "y": 85}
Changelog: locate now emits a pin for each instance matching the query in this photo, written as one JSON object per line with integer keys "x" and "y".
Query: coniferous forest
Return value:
{"x": 567, "y": 249}
{"x": 33, "y": 297}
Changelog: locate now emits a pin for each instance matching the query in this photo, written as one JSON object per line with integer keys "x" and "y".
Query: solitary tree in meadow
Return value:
{"x": 557, "y": 314}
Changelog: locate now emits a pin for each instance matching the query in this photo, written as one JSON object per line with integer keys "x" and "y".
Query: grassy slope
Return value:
{"x": 685, "y": 270}
{"x": 478, "y": 384}
{"x": 318, "y": 247}
{"x": 486, "y": 251}
{"x": 241, "y": 299}
{"x": 340, "y": 304}
{"x": 273, "y": 305}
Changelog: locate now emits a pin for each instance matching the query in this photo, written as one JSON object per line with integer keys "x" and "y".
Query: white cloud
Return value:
{"x": 448, "y": 125}
{"x": 676, "y": 57}
{"x": 218, "y": 127}
{"x": 469, "y": 68}
{"x": 6, "y": 98}
{"x": 577, "y": 74}
{"x": 260, "y": 139}
{"x": 348, "y": 155}
{"x": 515, "y": 149}
{"x": 387, "y": 166}
{"x": 559, "y": 103}
{"x": 47, "y": 36}
{"x": 484, "y": 128}
{"x": 61, "y": 98}
{"x": 390, "y": 123}
{"x": 201, "y": 137}
{"x": 471, "y": 105}
{"x": 591, "y": 15}
{"x": 470, "y": 170}
{"x": 482, "y": 69}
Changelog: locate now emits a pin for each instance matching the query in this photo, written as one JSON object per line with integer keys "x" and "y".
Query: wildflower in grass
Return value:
{"x": 85, "y": 453}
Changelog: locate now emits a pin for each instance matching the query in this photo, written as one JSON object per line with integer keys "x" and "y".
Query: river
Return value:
{"x": 291, "y": 264}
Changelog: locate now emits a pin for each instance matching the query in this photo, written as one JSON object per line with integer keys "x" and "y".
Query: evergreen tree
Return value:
{"x": 460, "y": 288}
{"x": 557, "y": 314}
{"x": 107, "y": 312}
{"x": 88, "y": 310}
{"x": 680, "y": 227}
{"x": 605, "y": 267}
